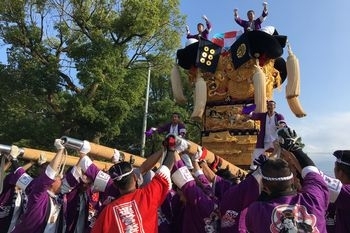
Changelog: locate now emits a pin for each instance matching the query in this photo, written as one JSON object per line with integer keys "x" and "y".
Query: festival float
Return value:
{"x": 231, "y": 79}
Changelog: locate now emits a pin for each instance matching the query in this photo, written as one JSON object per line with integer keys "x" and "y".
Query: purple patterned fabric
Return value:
{"x": 34, "y": 219}
{"x": 304, "y": 210}
{"x": 235, "y": 200}
{"x": 6, "y": 198}
{"x": 201, "y": 212}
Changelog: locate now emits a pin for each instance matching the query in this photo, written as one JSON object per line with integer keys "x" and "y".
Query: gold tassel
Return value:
{"x": 293, "y": 74}
{"x": 200, "y": 98}
{"x": 176, "y": 85}
{"x": 295, "y": 106}
{"x": 259, "y": 82}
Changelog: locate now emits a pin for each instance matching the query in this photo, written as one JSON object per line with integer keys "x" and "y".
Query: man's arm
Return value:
{"x": 207, "y": 22}
{"x": 56, "y": 162}
{"x": 150, "y": 162}
{"x": 238, "y": 20}
{"x": 264, "y": 13}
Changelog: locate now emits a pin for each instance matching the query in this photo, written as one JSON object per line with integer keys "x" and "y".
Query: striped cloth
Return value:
{"x": 226, "y": 39}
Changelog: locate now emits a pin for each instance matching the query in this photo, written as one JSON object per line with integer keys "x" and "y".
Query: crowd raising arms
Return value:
{"x": 178, "y": 197}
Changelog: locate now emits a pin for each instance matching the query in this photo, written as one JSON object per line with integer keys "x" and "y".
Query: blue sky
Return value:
{"x": 319, "y": 36}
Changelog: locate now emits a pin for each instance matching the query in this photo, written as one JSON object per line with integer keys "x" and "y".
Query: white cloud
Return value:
{"x": 324, "y": 134}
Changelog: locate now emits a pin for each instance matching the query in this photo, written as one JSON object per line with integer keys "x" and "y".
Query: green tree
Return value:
{"x": 68, "y": 70}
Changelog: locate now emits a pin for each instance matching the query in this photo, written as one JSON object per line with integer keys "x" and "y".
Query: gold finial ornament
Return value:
{"x": 242, "y": 49}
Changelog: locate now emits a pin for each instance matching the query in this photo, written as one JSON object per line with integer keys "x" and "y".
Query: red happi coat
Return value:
{"x": 136, "y": 211}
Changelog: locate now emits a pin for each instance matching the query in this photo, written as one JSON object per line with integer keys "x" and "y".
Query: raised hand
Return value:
{"x": 187, "y": 29}
{"x": 247, "y": 109}
{"x": 205, "y": 17}
{"x": 265, "y": 5}
{"x": 14, "y": 152}
{"x": 150, "y": 132}
{"x": 59, "y": 144}
{"x": 181, "y": 144}
{"x": 260, "y": 160}
{"x": 235, "y": 12}
{"x": 170, "y": 142}
{"x": 42, "y": 159}
{"x": 289, "y": 140}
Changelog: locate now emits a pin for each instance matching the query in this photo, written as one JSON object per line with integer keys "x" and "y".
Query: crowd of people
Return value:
{"x": 176, "y": 191}
{"x": 176, "y": 197}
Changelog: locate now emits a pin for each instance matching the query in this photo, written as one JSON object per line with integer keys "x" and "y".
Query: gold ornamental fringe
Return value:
{"x": 295, "y": 106}
{"x": 200, "y": 98}
{"x": 176, "y": 85}
{"x": 293, "y": 75}
{"x": 259, "y": 90}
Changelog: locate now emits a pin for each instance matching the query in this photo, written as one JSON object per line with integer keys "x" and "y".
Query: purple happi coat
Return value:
{"x": 235, "y": 200}
{"x": 8, "y": 196}
{"x": 35, "y": 217}
{"x": 303, "y": 211}
{"x": 262, "y": 118}
{"x": 201, "y": 212}
{"x": 342, "y": 206}
{"x": 170, "y": 214}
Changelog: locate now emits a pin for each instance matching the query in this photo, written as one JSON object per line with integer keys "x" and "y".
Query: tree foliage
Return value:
{"x": 74, "y": 68}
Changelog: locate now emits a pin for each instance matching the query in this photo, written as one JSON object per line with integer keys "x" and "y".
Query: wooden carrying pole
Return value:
{"x": 107, "y": 153}
{"x": 104, "y": 152}
{"x": 99, "y": 151}
{"x": 34, "y": 154}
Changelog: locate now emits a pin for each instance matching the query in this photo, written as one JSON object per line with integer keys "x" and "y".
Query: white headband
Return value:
{"x": 342, "y": 162}
{"x": 123, "y": 175}
{"x": 278, "y": 178}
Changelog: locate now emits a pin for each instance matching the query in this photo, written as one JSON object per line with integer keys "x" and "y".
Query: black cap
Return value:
{"x": 343, "y": 156}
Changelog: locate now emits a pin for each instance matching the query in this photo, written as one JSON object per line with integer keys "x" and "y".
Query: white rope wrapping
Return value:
{"x": 63, "y": 164}
{"x": 278, "y": 178}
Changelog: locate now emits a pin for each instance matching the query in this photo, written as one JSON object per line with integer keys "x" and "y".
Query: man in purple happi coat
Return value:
{"x": 170, "y": 213}
{"x": 269, "y": 121}
{"x": 44, "y": 211}
{"x": 252, "y": 23}
{"x": 175, "y": 127}
{"x": 235, "y": 199}
{"x": 338, "y": 213}
{"x": 201, "y": 32}
{"x": 13, "y": 197}
{"x": 201, "y": 212}
{"x": 284, "y": 209}
{"x": 77, "y": 201}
